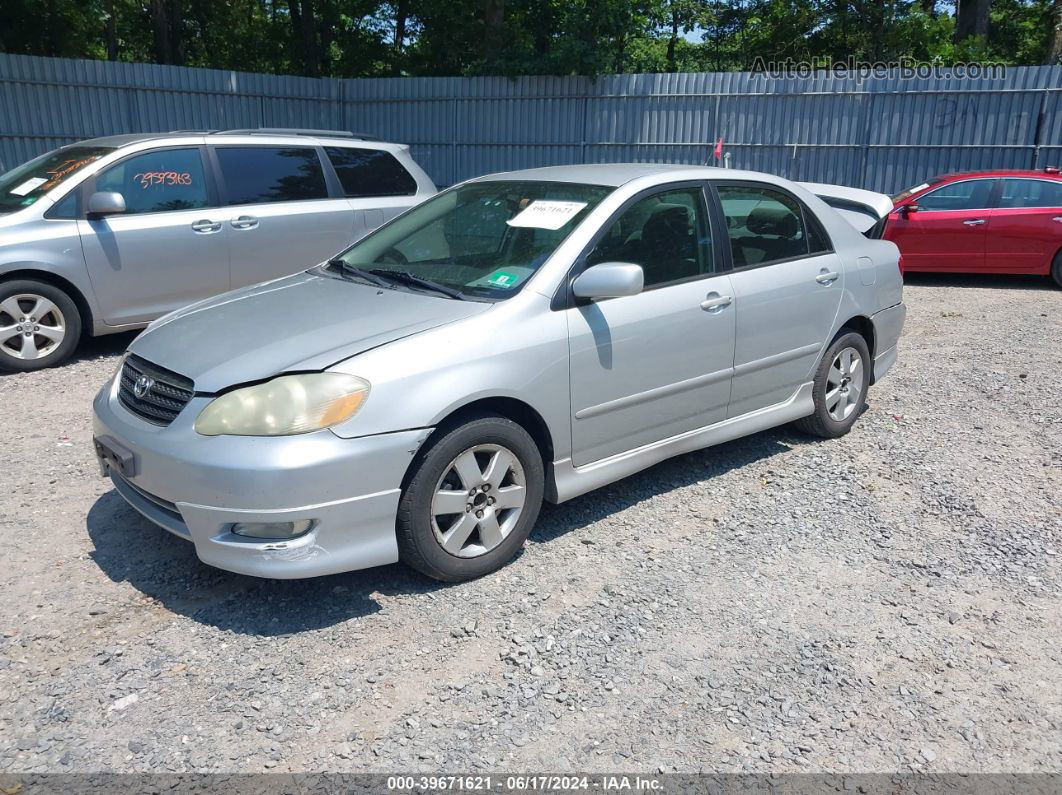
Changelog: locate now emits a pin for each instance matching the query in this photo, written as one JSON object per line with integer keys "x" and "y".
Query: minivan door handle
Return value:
{"x": 827, "y": 277}
{"x": 976, "y": 222}
{"x": 206, "y": 226}
{"x": 244, "y": 222}
{"x": 1057, "y": 219}
{"x": 714, "y": 302}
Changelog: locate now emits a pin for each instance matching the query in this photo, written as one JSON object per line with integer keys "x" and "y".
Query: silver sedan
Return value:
{"x": 519, "y": 337}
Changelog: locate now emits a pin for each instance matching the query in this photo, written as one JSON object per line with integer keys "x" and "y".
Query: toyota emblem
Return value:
{"x": 143, "y": 385}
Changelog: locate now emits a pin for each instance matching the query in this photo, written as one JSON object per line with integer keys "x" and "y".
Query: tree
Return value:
{"x": 971, "y": 19}
{"x": 1054, "y": 47}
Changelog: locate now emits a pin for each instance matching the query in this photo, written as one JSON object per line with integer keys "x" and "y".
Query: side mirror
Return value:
{"x": 609, "y": 280}
{"x": 911, "y": 208}
{"x": 106, "y": 203}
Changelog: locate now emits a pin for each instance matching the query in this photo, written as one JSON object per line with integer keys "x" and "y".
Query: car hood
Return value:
{"x": 298, "y": 323}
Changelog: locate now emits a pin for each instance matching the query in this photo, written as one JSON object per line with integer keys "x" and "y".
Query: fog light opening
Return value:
{"x": 273, "y": 530}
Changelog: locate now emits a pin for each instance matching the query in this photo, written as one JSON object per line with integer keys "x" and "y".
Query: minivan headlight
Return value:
{"x": 285, "y": 406}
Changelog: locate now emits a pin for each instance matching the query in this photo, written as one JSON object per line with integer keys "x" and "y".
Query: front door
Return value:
{"x": 1026, "y": 227}
{"x": 787, "y": 288}
{"x": 650, "y": 366}
{"x": 279, "y": 215}
{"x": 168, "y": 249}
{"x": 949, "y": 229}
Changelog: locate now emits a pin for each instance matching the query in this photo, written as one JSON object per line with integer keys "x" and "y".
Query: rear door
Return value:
{"x": 280, "y": 215}
{"x": 1026, "y": 227}
{"x": 787, "y": 284}
{"x": 375, "y": 183}
{"x": 168, "y": 249}
{"x": 948, "y": 231}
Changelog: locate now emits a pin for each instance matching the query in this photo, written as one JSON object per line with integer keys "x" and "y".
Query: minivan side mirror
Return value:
{"x": 911, "y": 208}
{"x": 106, "y": 203}
{"x": 609, "y": 280}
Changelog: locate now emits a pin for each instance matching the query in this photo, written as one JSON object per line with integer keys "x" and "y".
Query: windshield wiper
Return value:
{"x": 354, "y": 270}
{"x": 405, "y": 277}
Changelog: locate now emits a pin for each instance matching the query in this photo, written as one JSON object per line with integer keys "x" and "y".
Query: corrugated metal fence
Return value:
{"x": 881, "y": 134}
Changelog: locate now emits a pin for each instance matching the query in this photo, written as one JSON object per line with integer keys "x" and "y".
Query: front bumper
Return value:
{"x": 197, "y": 487}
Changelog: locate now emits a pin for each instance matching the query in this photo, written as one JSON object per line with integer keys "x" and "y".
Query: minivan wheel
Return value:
{"x": 39, "y": 325}
{"x": 840, "y": 388}
{"x": 473, "y": 498}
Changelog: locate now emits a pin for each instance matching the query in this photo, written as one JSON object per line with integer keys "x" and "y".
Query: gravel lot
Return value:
{"x": 887, "y": 601}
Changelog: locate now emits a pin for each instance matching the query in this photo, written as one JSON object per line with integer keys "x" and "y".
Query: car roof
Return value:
{"x": 127, "y": 139}
{"x": 1015, "y": 172}
{"x": 612, "y": 174}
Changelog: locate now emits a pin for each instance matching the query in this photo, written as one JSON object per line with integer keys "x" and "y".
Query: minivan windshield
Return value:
{"x": 481, "y": 240}
{"x": 24, "y": 185}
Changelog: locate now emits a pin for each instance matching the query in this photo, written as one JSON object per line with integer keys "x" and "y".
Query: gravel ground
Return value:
{"x": 887, "y": 601}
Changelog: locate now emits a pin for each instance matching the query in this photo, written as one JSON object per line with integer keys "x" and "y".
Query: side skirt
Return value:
{"x": 570, "y": 481}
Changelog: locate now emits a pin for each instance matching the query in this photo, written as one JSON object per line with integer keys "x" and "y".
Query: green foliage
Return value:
{"x": 350, "y": 38}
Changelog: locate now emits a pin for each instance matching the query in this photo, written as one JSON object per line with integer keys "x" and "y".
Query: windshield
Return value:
{"x": 22, "y": 186}
{"x": 899, "y": 197}
{"x": 484, "y": 239}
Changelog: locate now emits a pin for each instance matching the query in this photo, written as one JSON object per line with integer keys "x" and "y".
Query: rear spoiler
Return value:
{"x": 863, "y": 209}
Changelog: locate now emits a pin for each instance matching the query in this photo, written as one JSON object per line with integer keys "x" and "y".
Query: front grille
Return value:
{"x": 166, "y": 395}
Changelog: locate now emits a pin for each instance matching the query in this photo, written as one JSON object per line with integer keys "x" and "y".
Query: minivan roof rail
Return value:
{"x": 295, "y": 131}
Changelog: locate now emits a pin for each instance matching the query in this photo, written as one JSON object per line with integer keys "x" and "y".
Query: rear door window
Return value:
{"x": 765, "y": 225}
{"x": 1018, "y": 193}
{"x": 370, "y": 172}
{"x": 159, "y": 181}
{"x": 261, "y": 174}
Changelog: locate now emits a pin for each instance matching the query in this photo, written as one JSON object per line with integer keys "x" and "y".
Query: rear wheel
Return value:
{"x": 472, "y": 501}
{"x": 840, "y": 388}
{"x": 1056, "y": 269}
{"x": 39, "y": 325}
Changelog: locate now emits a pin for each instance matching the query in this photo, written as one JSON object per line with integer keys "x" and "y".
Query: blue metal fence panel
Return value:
{"x": 878, "y": 133}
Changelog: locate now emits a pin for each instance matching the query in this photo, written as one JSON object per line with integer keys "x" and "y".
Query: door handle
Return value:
{"x": 205, "y": 227}
{"x": 1057, "y": 219}
{"x": 827, "y": 277}
{"x": 978, "y": 222}
{"x": 714, "y": 302}
{"x": 244, "y": 222}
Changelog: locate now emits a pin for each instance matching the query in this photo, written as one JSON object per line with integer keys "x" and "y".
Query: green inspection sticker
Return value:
{"x": 503, "y": 279}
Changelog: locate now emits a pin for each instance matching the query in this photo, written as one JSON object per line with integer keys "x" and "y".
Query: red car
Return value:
{"x": 983, "y": 222}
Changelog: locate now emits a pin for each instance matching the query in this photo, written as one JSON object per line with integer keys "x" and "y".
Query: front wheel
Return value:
{"x": 840, "y": 389}
{"x": 1056, "y": 269}
{"x": 474, "y": 496}
{"x": 39, "y": 325}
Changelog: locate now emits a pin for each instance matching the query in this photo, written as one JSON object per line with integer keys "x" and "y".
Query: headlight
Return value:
{"x": 286, "y": 405}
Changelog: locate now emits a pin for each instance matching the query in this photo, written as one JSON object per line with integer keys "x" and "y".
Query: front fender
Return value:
{"x": 518, "y": 352}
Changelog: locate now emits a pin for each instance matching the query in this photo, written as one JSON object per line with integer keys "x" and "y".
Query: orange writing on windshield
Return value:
{"x": 64, "y": 168}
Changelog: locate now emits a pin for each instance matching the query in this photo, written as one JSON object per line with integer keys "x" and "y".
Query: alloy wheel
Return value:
{"x": 31, "y": 326}
{"x": 844, "y": 384}
{"x": 478, "y": 500}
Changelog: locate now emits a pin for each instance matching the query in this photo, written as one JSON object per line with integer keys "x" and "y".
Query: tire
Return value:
{"x": 462, "y": 544}
{"x": 836, "y": 413}
{"x": 1056, "y": 269}
{"x": 27, "y": 343}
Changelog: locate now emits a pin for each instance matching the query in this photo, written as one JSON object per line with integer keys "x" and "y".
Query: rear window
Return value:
{"x": 260, "y": 174}
{"x": 370, "y": 172}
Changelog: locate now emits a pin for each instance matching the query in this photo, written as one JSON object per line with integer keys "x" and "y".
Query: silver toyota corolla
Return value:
{"x": 519, "y": 337}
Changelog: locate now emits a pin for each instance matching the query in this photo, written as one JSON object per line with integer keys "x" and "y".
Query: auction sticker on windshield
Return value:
{"x": 544, "y": 214}
{"x": 27, "y": 186}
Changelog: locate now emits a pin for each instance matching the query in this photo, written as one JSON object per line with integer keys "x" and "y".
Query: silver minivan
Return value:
{"x": 108, "y": 234}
